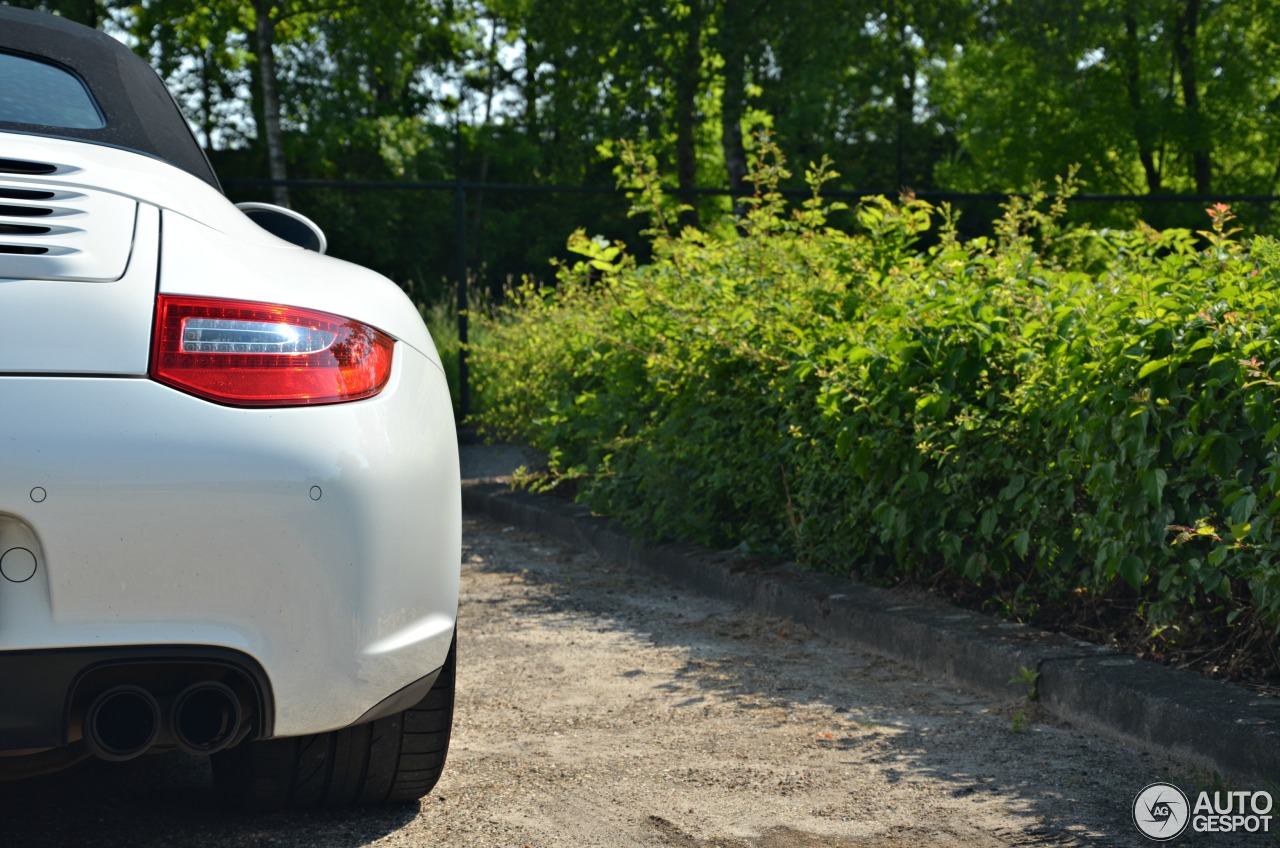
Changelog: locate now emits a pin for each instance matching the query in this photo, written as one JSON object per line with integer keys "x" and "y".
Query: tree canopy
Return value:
{"x": 1153, "y": 98}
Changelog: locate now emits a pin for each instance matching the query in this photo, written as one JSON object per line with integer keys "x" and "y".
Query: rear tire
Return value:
{"x": 396, "y": 759}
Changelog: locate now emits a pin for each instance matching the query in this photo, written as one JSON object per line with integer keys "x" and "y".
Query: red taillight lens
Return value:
{"x": 260, "y": 354}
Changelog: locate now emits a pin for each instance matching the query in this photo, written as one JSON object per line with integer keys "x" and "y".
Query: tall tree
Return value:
{"x": 1174, "y": 95}
{"x": 204, "y": 54}
{"x": 264, "y": 35}
{"x": 738, "y": 39}
{"x": 690, "y": 21}
{"x": 1199, "y": 146}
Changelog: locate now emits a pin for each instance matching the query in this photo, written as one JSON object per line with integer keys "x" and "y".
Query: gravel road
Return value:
{"x": 597, "y": 708}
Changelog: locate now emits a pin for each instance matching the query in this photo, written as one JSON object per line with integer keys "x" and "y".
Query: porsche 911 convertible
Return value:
{"x": 230, "y": 519}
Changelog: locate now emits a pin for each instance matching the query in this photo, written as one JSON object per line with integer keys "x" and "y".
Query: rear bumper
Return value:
{"x": 56, "y": 685}
{"x": 320, "y": 545}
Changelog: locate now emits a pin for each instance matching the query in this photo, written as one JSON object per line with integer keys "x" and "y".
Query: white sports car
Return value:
{"x": 230, "y": 517}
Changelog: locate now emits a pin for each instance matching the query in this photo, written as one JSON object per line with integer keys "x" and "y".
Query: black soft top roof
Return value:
{"x": 139, "y": 111}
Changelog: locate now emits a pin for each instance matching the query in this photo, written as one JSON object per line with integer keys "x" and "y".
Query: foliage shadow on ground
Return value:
{"x": 728, "y": 665}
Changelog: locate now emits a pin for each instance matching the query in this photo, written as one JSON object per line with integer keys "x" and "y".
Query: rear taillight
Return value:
{"x": 259, "y": 354}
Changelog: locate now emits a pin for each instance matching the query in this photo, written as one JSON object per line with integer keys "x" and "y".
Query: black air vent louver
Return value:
{"x": 20, "y": 166}
{"x": 25, "y": 211}
{"x": 25, "y": 194}
{"x": 23, "y": 230}
{"x": 23, "y": 250}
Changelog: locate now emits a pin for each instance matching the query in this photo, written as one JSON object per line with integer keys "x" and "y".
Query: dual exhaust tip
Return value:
{"x": 125, "y": 721}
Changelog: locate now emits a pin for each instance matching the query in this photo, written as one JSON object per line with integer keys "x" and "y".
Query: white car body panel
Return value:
{"x": 323, "y": 541}
{"x": 74, "y": 327}
{"x": 200, "y": 260}
{"x": 165, "y": 519}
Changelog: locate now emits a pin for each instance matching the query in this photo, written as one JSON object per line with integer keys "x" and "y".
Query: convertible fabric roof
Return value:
{"x": 140, "y": 112}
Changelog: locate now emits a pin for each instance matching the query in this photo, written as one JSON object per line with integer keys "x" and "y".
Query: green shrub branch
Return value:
{"x": 1052, "y": 413}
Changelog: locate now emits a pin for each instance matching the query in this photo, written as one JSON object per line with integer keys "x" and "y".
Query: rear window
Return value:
{"x": 38, "y": 93}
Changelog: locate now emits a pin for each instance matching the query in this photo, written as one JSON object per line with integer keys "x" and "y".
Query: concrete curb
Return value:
{"x": 1206, "y": 724}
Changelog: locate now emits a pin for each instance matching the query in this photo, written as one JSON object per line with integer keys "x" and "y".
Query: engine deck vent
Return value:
{"x": 21, "y": 166}
{"x": 48, "y": 232}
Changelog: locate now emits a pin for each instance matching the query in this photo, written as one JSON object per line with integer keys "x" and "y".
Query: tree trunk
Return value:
{"x": 686, "y": 108}
{"x": 529, "y": 87}
{"x": 206, "y": 98}
{"x": 733, "y": 103}
{"x": 265, "y": 32}
{"x": 483, "y": 134}
{"x": 1133, "y": 82}
{"x": 904, "y": 103}
{"x": 1184, "y": 51}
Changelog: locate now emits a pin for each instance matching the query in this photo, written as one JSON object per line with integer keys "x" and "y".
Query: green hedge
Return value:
{"x": 1052, "y": 414}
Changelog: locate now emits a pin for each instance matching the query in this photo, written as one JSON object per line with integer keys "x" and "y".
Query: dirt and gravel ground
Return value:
{"x": 599, "y": 708}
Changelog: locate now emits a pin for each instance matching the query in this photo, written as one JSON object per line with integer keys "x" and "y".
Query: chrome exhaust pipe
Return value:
{"x": 121, "y": 723}
{"x": 205, "y": 718}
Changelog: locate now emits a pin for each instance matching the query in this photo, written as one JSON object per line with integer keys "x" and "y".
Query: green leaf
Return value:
{"x": 1153, "y": 483}
{"x": 1014, "y": 486}
{"x": 1153, "y": 366}
{"x": 1224, "y": 454}
{"x": 1242, "y": 508}
{"x": 885, "y": 515}
{"x": 1133, "y": 570}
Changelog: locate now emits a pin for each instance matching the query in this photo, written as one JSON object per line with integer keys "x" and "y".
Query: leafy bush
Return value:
{"x": 1060, "y": 416}
{"x": 441, "y": 318}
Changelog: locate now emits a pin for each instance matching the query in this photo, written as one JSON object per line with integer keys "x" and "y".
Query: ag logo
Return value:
{"x": 1161, "y": 812}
